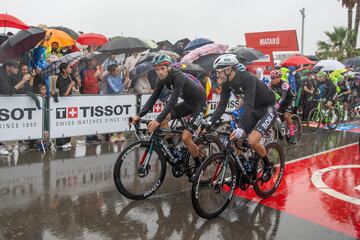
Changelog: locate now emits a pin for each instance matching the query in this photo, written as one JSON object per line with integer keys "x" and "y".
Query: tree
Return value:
{"x": 339, "y": 46}
{"x": 353, "y": 32}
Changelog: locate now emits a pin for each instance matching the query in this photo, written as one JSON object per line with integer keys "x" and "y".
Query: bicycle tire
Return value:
{"x": 199, "y": 206}
{"x": 119, "y": 181}
{"x": 314, "y": 120}
{"x": 259, "y": 184}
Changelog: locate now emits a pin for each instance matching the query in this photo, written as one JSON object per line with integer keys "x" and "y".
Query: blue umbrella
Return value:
{"x": 199, "y": 42}
{"x": 141, "y": 69}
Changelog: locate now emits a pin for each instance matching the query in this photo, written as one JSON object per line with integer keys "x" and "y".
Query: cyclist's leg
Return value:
{"x": 267, "y": 119}
{"x": 197, "y": 115}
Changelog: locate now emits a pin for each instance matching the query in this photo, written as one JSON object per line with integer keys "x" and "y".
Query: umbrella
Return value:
{"x": 150, "y": 43}
{"x": 141, "y": 69}
{"x": 247, "y": 54}
{"x": 21, "y": 42}
{"x": 3, "y": 38}
{"x": 192, "y": 68}
{"x": 92, "y": 39}
{"x": 168, "y": 45}
{"x": 296, "y": 60}
{"x": 207, "y": 62}
{"x": 72, "y": 59}
{"x": 148, "y": 57}
{"x": 355, "y": 62}
{"x": 199, "y": 42}
{"x": 184, "y": 42}
{"x": 10, "y": 21}
{"x": 124, "y": 45}
{"x": 99, "y": 56}
{"x": 68, "y": 31}
{"x": 204, "y": 50}
{"x": 60, "y": 37}
{"x": 312, "y": 58}
{"x": 330, "y": 65}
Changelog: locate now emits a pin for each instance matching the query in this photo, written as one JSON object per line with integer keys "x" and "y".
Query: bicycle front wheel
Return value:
{"x": 314, "y": 120}
{"x": 210, "y": 199}
{"x": 139, "y": 170}
{"x": 276, "y": 157}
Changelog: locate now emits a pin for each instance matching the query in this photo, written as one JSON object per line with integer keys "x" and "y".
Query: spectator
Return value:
{"x": 114, "y": 80}
{"x": 114, "y": 85}
{"x": 110, "y": 61}
{"x": 64, "y": 84}
{"x": 28, "y": 87}
{"x": 91, "y": 75}
{"x": 9, "y": 76}
{"x": 131, "y": 61}
{"x": 54, "y": 53}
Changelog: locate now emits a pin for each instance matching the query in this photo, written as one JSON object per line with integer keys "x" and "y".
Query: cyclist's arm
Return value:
{"x": 178, "y": 85}
{"x": 224, "y": 98}
{"x": 154, "y": 96}
{"x": 284, "y": 89}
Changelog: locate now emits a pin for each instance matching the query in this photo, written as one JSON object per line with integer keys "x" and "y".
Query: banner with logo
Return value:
{"x": 87, "y": 115}
{"x": 20, "y": 119}
{"x": 231, "y": 106}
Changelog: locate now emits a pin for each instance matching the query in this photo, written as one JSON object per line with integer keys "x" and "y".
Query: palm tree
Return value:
{"x": 349, "y": 4}
{"x": 357, "y": 20}
{"x": 339, "y": 46}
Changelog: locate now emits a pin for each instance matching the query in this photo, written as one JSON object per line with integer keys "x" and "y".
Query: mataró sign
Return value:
{"x": 273, "y": 41}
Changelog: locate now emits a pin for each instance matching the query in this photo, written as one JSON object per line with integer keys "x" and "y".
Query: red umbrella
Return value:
{"x": 92, "y": 39}
{"x": 296, "y": 60}
{"x": 10, "y": 21}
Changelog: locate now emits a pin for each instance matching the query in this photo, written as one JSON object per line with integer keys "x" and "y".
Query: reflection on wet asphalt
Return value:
{"x": 71, "y": 195}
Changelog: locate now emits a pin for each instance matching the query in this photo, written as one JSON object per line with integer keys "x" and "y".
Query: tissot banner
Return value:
{"x": 86, "y": 115}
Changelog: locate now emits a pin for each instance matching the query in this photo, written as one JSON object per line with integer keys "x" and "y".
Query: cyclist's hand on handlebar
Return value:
{"x": 238, "y": 133}
{"x": 134, "y": 119}
{"x": 153, "y": 125}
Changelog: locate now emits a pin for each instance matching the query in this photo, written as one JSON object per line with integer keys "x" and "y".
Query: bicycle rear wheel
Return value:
{"x": 132, "y": 178}
{"x": 210, "y": 200}
{"x": 276, "y": 157}
{"x": 314, "y": 120}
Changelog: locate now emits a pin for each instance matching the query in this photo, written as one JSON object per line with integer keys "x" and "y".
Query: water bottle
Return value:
{"x": 233, "y": 125}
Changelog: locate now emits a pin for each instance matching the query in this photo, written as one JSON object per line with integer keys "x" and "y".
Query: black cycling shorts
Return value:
{"x": 259, "y": 120}
{"x": 345, "y": 98}
{"x": 287, "y": 106}
{"x": 196, "y": 110}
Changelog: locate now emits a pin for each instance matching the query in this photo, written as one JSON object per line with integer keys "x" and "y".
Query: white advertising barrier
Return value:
{"x": 214, "y": 102}
{"x": 20, "y": 119}
{"x": 156, "y": 110}
{"x": 87, "y": 115}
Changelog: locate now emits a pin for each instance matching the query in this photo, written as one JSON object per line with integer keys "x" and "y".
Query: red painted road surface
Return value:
{"x": 326, "y": 196}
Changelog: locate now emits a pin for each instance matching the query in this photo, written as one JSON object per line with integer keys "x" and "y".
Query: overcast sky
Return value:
{"x": 224, "y": 21}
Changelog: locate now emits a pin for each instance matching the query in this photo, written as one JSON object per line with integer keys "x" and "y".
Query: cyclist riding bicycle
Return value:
{"x": 286, "y": 99}
{"x": 328, "y": 92}
{"x": 194, "y": 103}
{"x": 259, "y": 111}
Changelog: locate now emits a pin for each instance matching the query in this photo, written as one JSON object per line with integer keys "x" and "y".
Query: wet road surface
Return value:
{"x": 71, "y": 195}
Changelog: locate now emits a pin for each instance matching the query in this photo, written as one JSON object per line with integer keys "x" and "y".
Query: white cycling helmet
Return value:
{"x": 225, "y": 61}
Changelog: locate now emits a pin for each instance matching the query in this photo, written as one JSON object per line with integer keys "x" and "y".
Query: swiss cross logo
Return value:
{"x": 157, "y": 107}
{"x": 72, "y": 112}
